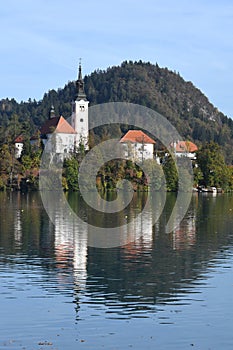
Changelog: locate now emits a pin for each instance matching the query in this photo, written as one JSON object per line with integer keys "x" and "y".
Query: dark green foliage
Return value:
{"x": 171, "y": 174}
{"x": 71, "y": 173}
{"x": 142, "y": 83}
{"x": 166, "y": 92}
{"x": 212, "y": 166}
{"x": 146, "y": 84}
{"x": 154, "y": 174}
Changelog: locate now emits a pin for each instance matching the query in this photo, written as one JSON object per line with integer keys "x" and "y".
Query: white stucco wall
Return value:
{"x": 59, "y": 142}
{"x": 138, "y": 151}
{"x": 186, "y": 154}
{"x": 79, "y": 121}
{"x": 18, "y": 149}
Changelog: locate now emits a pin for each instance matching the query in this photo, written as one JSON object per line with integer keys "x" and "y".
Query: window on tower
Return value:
{"x": 81, "y": 120}
{"x": 82, "y": 108}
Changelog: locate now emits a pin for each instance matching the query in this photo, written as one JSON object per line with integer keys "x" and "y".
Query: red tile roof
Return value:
{"x": 19, "y": 139}
{"x": 58, "y": 125}
{"x": 185, "y": 146}
{"x": 136, "y": 136}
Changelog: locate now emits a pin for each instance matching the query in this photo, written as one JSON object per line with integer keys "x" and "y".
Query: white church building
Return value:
{"x": 61, "y": 137}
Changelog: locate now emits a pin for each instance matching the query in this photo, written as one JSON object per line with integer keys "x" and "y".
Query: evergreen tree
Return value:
{"x": 171, "y": 174}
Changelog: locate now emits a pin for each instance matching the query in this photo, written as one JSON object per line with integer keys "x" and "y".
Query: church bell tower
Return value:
{"x": 79, "y": 117}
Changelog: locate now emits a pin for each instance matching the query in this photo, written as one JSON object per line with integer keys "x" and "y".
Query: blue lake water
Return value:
{"x": 159, "y": 291}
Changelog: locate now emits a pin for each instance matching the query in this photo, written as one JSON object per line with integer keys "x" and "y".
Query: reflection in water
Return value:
{"x": 184, "y": 235}
{"x": 138, "y": 279}
{"x": 150, "y": 254}
{"x": 70, "y": 244}
{"x": 17, "y": 228}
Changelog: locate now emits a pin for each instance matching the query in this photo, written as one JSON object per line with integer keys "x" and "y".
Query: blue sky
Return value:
{"x": 42, "y": 40}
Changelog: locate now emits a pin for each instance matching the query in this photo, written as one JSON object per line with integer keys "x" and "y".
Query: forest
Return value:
{"x": 143, "y": 83}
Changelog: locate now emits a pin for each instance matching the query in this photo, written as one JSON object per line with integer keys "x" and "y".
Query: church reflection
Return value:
{"x": 70, "y": 247}
{"x": 72, "y": 241}
{"x": 148, "y": 260}
{"x": 152, "y": 265}
{"x": 18, "y": 227}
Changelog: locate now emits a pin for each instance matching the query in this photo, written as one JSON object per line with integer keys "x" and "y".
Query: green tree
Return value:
{"x": 9, "y": 166}
{"x": 197, "y": 176}
{"x": 71, "y": 173}
{"x": 6, "y": 159}
{"x": 211, "y": 162}
{"x": 154, "y": 174}
{"x": 171, "y": 174}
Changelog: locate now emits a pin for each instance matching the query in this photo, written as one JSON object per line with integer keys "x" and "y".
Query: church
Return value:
{"x": 61, "y": 136}
{"x": 58, "y": 135}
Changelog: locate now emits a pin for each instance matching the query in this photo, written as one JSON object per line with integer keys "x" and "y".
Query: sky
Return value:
{"x": 42, "y": 41}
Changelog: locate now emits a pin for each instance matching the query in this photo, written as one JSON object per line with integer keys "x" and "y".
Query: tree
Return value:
{"x": 211, "y": 162}
{"x": 9, "y": 166}
{"x": 154, "y": 174}
{"x": 71, "y": 173}
{"x": 171, "y": 174}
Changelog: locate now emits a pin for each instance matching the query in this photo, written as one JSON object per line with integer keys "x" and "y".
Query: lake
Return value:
{"x": 157, "y": 291}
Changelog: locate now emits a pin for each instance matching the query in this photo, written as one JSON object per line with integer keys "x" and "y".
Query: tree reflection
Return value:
{"x": 153, "y": 268}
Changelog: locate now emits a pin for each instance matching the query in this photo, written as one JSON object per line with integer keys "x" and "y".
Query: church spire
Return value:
{"x": 80, "y": 85}
{"x": 80, "y": 70}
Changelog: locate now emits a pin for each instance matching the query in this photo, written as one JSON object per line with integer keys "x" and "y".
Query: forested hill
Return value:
{"x": 185, "y": 106}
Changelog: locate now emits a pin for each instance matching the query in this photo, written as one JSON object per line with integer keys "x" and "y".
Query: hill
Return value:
{"x": 184, "y": 105}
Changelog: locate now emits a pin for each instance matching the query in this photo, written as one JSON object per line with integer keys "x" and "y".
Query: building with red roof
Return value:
{"x": 19, "y": 141}
{"x": 57, "y": 134}
{"x": 58, "y": 125}
{"x": 137, "y": 136}
{"x": 138, "y": 145}
{"x": 61, "y": 137}
{"x": 185, "y": 148}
